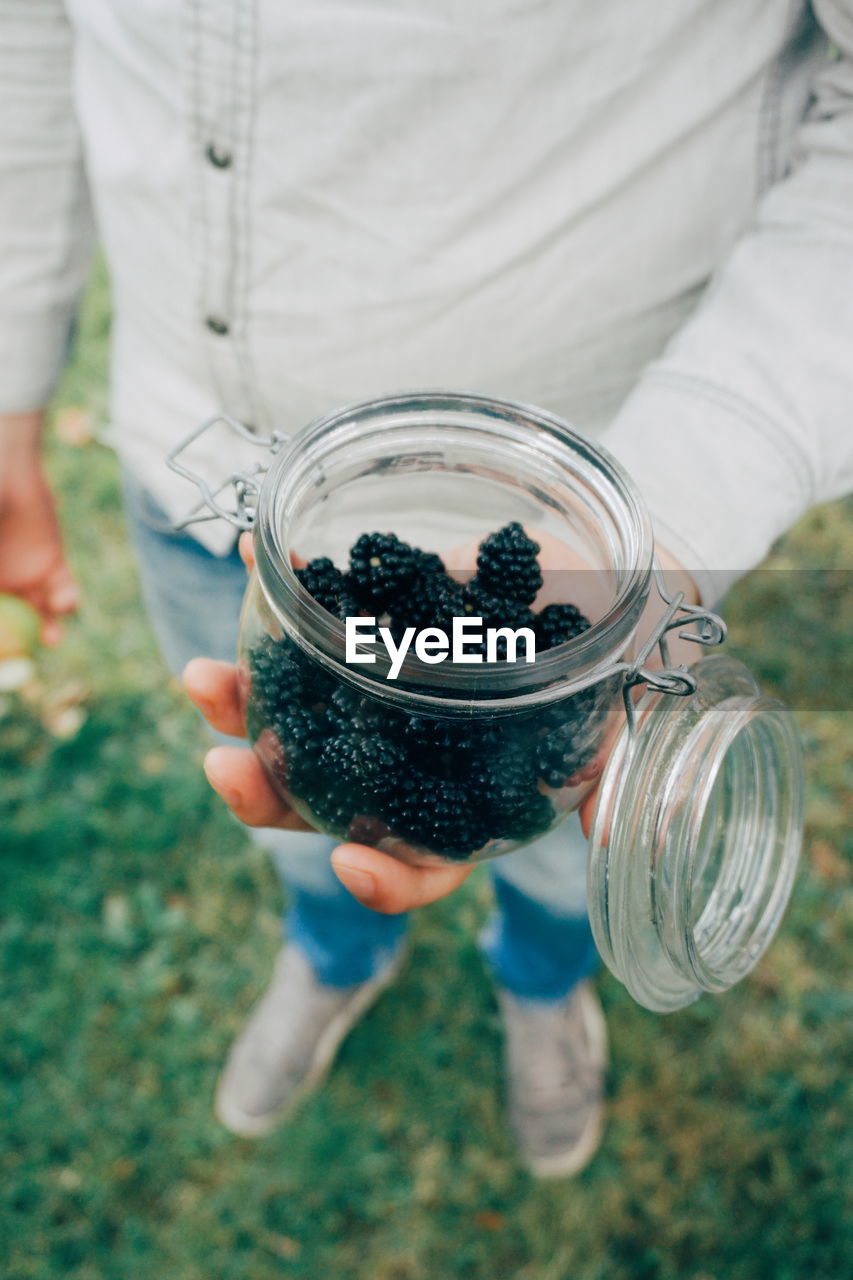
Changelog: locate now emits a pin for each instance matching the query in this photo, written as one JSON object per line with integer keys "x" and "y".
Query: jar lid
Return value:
{"x": 695, "y": 837}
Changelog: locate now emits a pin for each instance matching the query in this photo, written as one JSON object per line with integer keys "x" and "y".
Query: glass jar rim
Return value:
{"x": 510, "y": 687}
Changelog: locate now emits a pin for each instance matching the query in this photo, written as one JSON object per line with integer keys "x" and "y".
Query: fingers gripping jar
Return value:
{"x": 696, "y": 834}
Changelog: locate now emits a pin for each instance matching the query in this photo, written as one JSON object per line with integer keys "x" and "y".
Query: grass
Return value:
{"x": 138, "y": 927}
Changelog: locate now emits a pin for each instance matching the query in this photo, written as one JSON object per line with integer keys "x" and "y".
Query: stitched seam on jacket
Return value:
{"x": 770, "y": 110}
{"x": 247, "y": 41}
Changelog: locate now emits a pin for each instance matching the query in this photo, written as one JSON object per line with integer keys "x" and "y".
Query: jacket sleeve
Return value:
{"x": 46, "y": 234}
{"x": 747, "y": 419}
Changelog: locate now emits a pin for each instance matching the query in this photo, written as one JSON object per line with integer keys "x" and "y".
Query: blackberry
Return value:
{"x": 414, "y": 605}
{"x": 440, "y": 747}
{"x": 264, "y": 661}
{"x": 496, "y": 611}
{"x": 349, "y": 600}
{"x": 348, "y": 711}
{"x": 300, "y": 731}
{"x": 563, "y": 752}
{"x": 301, "y": 734}
{"x": 341, "y": 709}
{"x": 532, "y": 816}
{"x": 282, "y": 676}
{"x": 437, "y": 814}
{"x": 448, "y": 602}
{"x": 425, "y": 603}
{"x": 557, "y": 623}
{"x": 507, "y": 564}
{"x": 504, "y": 787}
{"x": 427, "y": 563}
{"x": 324, "y": 581}
{"x": 272, "y": 680}
{"x": 467, "y": 742}
{"x": 381, "y": 566}
{"x": 518, "y": 812}
{"x": 453, "y": 599}
{"x": 365, "y": 765}
{"x": 436, "y": 735}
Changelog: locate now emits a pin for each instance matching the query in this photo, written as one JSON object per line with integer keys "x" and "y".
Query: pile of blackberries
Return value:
{"x": 367, "y": 770}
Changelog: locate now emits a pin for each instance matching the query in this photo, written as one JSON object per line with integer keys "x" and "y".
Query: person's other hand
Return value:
{"x": 32, "y": 557}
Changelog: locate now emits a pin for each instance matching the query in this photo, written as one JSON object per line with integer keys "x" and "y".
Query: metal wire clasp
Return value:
{"x": 674, "y": 680}
{"x": 244, "y": 485}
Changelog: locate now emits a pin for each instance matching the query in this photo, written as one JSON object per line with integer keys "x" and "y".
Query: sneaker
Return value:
{"x": 289, "y": 1043}
{"x": 556, "y": 1055}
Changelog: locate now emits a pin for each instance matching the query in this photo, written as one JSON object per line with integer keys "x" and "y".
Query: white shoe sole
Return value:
{"x": 251, "y": 1126}
{"x": 563, "y": 1164}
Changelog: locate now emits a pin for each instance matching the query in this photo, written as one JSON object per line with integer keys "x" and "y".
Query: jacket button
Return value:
{"x": 221, "y": 159}
{"x": 215, "y": 325}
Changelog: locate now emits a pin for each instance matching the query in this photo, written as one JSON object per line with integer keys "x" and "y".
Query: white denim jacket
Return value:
{"x": 307, "y": 203}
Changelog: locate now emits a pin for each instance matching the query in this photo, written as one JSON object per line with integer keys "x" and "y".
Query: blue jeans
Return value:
{"x": 538, "y": 941}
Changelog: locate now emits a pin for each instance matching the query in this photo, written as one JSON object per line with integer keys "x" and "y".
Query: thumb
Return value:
{"x": 385, "y": 884}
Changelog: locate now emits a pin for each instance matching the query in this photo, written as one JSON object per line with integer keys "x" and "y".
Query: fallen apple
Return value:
{"x": 20, "y": 627}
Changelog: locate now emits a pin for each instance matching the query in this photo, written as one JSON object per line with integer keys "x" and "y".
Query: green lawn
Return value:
{"x": 138, "y": 927}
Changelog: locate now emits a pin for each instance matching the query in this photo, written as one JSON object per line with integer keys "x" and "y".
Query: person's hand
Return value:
{"x": 32, "y": 558}
{"x": 376, "y": 879}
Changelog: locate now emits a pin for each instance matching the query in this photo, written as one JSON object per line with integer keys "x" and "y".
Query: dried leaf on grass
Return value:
{"x": 61, "y": 711}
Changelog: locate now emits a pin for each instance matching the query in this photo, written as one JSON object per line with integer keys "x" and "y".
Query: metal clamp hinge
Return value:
{"x": 244, "y": 485}
{"x": 669, "y": 679}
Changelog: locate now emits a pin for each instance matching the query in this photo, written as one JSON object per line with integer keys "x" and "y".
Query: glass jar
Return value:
{"x": 446, "y": 761}
{"x": 697, "y": 826}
